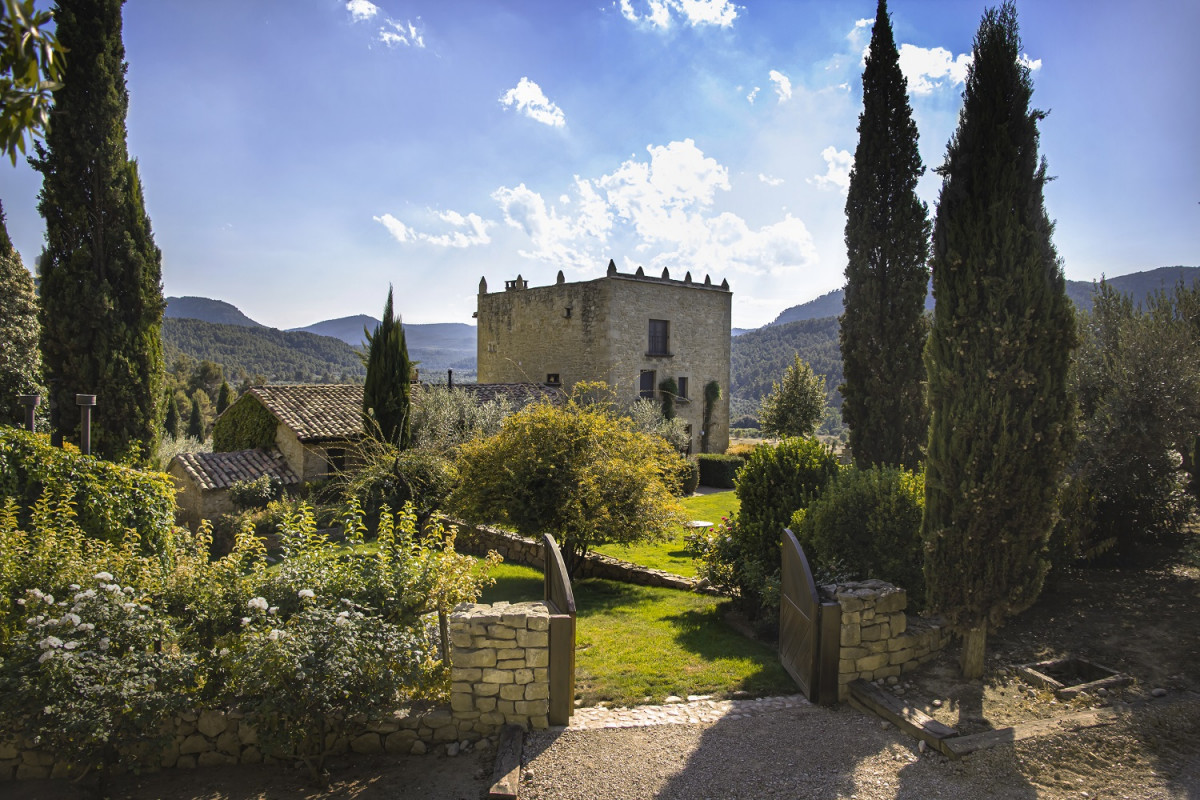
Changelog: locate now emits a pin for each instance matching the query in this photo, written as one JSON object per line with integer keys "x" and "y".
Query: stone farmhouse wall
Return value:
{"x": 878, "y": 640}
{"x": 599, "y": 331}
{"x": 500, "y": 657}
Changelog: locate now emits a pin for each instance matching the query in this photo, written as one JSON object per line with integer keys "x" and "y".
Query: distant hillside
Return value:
{"x": 203, "y": 308}
{"x": 437, "y": 346}
{"x": 1138, "y": 284}
{"x": 348, "y": 329}
{"x": 759, "y": 358}
{"x": 251, "y": 352}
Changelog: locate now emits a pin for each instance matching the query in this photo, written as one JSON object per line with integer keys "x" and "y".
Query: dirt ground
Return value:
{"x": 1144, "y": 622}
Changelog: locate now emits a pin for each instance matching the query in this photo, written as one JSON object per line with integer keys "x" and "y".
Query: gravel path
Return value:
{"x": 803, "y": 751}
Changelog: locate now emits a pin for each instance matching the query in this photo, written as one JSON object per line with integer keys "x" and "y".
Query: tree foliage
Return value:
{"x": 31, "y": 68}
{"x": 883, "y": 328}
{"x": 998, "y": 353}
{"x": 579, "y": 471}
{"x": 758, "y": 358}
{"x": 20, "y": 358}
{"x": 1137, "y": 379}
{"x": 102, "y": 302}
{"x": 388, "y": 387}
{"x": 795, "y": 406}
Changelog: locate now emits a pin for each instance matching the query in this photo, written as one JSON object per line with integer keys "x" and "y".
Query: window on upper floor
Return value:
{"x": 660, "y": 339}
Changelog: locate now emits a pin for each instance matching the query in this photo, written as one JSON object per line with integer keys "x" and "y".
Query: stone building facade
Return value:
{"x": 631, "y": 331}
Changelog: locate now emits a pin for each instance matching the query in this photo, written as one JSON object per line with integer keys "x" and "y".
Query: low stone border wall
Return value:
{"x": 878, "y": 640}
{"x": 478, "y": 540}
{"x": 500, "y": 657}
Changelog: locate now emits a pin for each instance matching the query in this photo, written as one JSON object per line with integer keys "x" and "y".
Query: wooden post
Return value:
{"x": 974, "y": 645}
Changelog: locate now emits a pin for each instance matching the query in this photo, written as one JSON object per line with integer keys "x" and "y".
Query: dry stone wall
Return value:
{"x": 500, "y": 656}
{"x": 878, "y": 640}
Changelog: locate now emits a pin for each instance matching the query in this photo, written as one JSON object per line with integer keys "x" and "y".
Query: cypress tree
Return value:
{"x": 998, "y": 352}
{"x": 388, "y": 385}
{"x": 883, "y": 328}
{"x": 20, "y": 359}
{"x": 172, "y": 422}
{"x": 102, "y": 302}
{"x": 195, "y": 428}
{"x": 224, "y": 397}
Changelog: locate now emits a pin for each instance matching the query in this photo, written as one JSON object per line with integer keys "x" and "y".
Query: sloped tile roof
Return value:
{"x": 317, "y": 411}
{"x": 221, "y": 470}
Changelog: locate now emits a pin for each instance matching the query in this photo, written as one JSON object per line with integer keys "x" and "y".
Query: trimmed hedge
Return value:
{"x": 689, "y": 477}
{"x": 245, "y": 425}
{"x": 109, "y": 498}
{"x": 718, "y": 470}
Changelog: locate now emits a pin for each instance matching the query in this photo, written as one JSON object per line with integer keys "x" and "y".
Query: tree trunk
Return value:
{"x": 974, "y": 643}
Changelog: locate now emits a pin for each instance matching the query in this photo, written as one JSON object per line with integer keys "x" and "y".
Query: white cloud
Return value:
{"x": 837, "y": 169}
{"x": 528, "y": 98}
{"x": 1033, "y": 65}
{"x": 361, "y": 9}
{"x": 665, "y": 206}
{"x": 468, "y": 231}
{"x": 753, "y": 93}
{"x": 769, "y": 180}
{"x": 660, "y": 13}
{"x": 783, "y": 86}
{"x": 401, "y": 33}
{"x": 931, "y": 68}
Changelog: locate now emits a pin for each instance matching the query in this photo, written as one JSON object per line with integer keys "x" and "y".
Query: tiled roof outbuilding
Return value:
{"x": 213, "y": 471}
{"x": 317, "y": 411}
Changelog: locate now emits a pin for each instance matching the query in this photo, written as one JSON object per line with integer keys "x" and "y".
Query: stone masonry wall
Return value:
{"x": 878, "y": 640}
{"x": 500, "y": 657}
{"x": 478, "y": 540}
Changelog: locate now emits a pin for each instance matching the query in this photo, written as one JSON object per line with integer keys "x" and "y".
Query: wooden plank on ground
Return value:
{"x": 962, "y": 745}
{"x": 506, "y": 776}
{"x": 913, "y": 721}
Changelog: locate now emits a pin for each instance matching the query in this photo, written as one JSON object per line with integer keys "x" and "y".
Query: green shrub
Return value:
{"x": 775, "y": 483}
{"x": 390, "y": 477}
{"x": 256, "y": 493}
{"x": 245, "y": 425}
{"x": 717, "y": 470}
{"x": 689, "y": 477}
{"x": 867, "y": 523}
{"x": 109, "y": 498}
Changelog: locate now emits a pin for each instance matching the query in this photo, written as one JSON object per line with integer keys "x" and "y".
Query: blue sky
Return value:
{"x": 300, "y": 155}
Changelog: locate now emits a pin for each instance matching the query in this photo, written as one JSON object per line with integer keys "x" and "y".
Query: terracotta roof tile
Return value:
{"x": 221, "y": 470}
{"x": 317, "y": 411}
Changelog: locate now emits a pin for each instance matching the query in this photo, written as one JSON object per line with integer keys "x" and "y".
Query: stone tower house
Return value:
{"x": 630, "y": 331}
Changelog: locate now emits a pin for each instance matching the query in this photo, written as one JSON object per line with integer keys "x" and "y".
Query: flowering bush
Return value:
{"x": 95, "y": 670}
{"x": 305, "y": 676}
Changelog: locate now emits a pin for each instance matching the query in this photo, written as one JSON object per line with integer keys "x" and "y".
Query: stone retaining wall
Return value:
{"x": 478, "y": 540}
{"x": 878, "y": 640}
{"x": 500, "y": 657}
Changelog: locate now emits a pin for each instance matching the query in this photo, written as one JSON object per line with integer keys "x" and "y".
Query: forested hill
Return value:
{"x": 209, "y": 310}
{"x": 1139, "y": 285}
{"x": 760, "y": 357}
{"x": 262, "y": 353}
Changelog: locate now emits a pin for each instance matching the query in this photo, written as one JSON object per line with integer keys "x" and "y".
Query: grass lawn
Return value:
{"x": 671, "y": 554}
{"x": 639, "y": 644}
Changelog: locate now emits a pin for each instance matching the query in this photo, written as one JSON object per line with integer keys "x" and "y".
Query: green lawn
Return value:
{"x": 671, "y": 554}
{"x": 639, "y": 644}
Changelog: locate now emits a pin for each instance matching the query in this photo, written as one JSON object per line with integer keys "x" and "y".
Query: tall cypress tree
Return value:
{"x": 997, "y": 354}
{"x": 102, "y": 302}
{"x": 883, "y": 328}
{"x": 20, "y": 360}
{"x": 388, "y": 386}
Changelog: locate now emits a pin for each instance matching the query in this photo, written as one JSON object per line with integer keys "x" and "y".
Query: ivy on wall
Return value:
{"x": 245, "y": 425}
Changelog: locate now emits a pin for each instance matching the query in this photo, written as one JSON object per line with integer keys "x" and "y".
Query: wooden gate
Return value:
{"x": 561, "y": 599}
{"x": 809, "y": 630}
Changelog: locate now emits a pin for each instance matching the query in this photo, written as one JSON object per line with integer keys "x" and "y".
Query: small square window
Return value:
{"x": 552, "y": 379}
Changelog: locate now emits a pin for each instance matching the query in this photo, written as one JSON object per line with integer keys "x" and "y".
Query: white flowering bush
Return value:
{"x": 305, "y": 676}
{"x": 94, "y": 670}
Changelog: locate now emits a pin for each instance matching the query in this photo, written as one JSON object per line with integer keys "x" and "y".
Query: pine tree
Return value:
{"x": 883, "y": 328}
{"x": 102, "y": 303}
{"x": 998, "y": 352}
{"x": 388, "y": 384}
{"x": 195, "y": 427}
{"x": 20, "y": 359}
{"x": 224, "y": 398}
